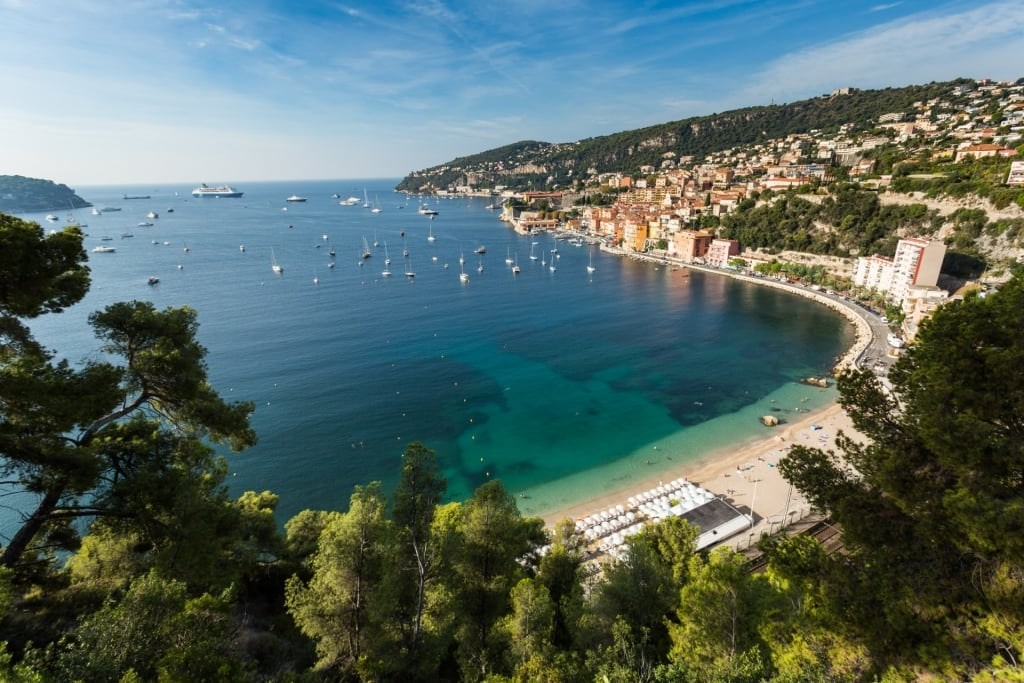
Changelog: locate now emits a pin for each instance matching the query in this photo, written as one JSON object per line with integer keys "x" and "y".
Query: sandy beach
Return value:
{"x": 745, "y": 476}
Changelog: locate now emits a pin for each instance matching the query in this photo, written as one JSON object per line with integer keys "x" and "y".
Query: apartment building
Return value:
{"x": 917, "y": 263}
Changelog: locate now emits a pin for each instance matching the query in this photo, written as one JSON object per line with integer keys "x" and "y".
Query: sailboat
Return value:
{"x": 430, "y": 232}
{"x": 366, "y": 202}
{"x": 376, "y": 204}
{"x": 533, "y": 256}
{"x": 366, "y": 249}
{"x": 590, "y": 266}
{"x": 515, "y": 266}
{"x": 387, "y": 262}
{"x": 409, "y": 272}
{"x": 463, "y": 278}
{"x": 273, "y": 262}
{"x": 375, "y": 242}
{"x": 480, "y": 268}
{"x": 508, "y": 256}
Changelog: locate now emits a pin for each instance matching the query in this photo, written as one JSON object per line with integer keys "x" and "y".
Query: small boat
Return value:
{"x": 430, "y": 233}
{"x": 508, "y": 256}
{"x": 50, "y": 217}
{"x": 480, "y": 268}
{"x": 409, "y": 272}
{"x": 351, "y": 201}
{"x": 366, "y": 249}
{"x": 376, "y": 205}
{"x": 295, "y": 198}
{"x": 96, "y": 212}
{"x": 241, "y": 247}
{"x": 106, "y": 238}
{"x": 103, "y": 249}
{"x": 170, "y": 209}
{"x": 590, "y": 266}
{"x": 387, "y": 259}
{"x": 331, "y": 252}
{"x": 141, "y": 196}
{"x": 152, "y": 280}
{"x": 481, "y": 249}
{"x": 274, "y": 266}
{"x": 126, "y": 235}
{"x": 427, "y": 211}
{"x": 152, "y": 214}
{"x": 533, "y": 257}
{"x": 108, "y": 209}
{"x": 144, "y": 224}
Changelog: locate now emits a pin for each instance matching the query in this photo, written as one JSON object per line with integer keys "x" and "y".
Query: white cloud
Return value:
{"x": 915, "y": 49}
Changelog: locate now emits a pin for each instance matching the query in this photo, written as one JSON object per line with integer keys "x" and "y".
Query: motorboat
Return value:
{"x": 103, "y": 249}
{"x": 152, "y": 280}
{"x": 295, "y": 198}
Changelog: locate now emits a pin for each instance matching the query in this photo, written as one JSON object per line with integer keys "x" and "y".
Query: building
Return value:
{"x": 720, "y": 251}
{"x": 692, "y": 245}
{"x": 873, "y": 272}
{"x": 917, "y": 263}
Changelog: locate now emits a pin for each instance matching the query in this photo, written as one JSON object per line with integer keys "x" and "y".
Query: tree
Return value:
{"x": 66, "y": 436}
{"x": 156, "y": 630}
{"x": 337, "y": 606}
{"x": 493, "y": 538}
{"x": 419, "y": 492}
{"x": 932, "y": 506}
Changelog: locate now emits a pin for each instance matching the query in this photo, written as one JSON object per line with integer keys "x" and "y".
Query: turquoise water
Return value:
{"x": 558, "y": 383}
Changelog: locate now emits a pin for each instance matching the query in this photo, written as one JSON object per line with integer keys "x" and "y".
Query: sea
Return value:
{"x": 563, "y": 384}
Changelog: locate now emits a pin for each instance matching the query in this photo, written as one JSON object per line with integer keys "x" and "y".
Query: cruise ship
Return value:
{"x": 222, "y": 191}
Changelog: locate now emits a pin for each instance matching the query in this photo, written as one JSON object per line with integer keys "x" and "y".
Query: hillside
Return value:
{"x": 526, "y": 164}
{"x": 19, "y": 194}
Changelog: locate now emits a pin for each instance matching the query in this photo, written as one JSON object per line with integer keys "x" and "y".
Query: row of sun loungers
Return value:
{"x": 609, "y": 528}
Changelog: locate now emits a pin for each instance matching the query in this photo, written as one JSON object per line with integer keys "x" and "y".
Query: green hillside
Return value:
{"x": 19, "y": 194}
{"x": 539, "y": 164}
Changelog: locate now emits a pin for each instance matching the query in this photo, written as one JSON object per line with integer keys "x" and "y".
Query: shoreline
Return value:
{"x": 745, "y": 474}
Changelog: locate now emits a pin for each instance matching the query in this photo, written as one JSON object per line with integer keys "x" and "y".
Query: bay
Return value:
{"x": 560, "y": 383}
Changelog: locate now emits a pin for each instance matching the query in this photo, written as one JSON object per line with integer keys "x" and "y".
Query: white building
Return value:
{"x": 917, "y": 262}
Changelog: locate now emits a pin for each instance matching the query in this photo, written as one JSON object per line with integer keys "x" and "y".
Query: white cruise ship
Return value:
{"x": 221, "y": 191}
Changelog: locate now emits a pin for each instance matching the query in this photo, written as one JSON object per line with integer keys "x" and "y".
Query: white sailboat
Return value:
{"x": 533, "y": 248}
{"x": 387, "y": 262}
{"x": 508, "y": 256}
{"x": 515, "y": 266}
{"x": 376, "y": 204}
{"x": 366, "y": 202}
{"x": 409, "y": 272}
{"x": 463, "y": 278}
{"x": 480, "y": 268}
{"x": 274, "y": 266}
{"x": 366, "y": 249}
{"x": 590, "y": 266}
{"x": 430, "y": 232}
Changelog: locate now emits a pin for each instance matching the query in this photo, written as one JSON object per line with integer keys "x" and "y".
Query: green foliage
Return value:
{"x": 857, "y": 224}
{"x": 155, "y": 631}
{"x": 931, "y": 506}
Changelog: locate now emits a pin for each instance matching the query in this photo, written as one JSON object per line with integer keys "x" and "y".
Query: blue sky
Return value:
{"x": 148, "y": 91}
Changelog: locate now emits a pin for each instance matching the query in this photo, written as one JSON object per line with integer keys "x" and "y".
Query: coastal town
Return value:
{"x": 672, "y": 212}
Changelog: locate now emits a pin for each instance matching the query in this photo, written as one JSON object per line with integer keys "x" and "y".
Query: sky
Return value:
{"x": 94, "y": 92}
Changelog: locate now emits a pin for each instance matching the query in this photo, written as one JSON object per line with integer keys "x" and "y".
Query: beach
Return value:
{"x": 746, "y": 476}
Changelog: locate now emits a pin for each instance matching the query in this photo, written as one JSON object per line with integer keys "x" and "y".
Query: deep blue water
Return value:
{"x": 533, "y": 379}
